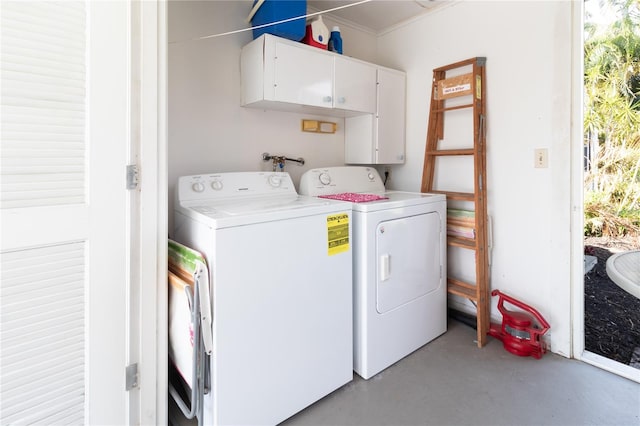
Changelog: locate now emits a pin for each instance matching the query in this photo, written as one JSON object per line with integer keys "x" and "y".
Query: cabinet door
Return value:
{"x": 390, "y": 134}
{"x": 358, "y": 139}
{"x": 302, "y": 77}
{"x": 355, "y": 85}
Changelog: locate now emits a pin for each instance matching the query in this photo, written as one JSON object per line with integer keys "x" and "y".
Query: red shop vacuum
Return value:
{"x": 520, "y": 332}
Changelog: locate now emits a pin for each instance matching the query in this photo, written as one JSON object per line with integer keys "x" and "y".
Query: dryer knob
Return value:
{"x": 217, "y": 185}
{"x": 198, "y": 187}
{"x": 275, "y": 181}
{"x": 325, "y": 179}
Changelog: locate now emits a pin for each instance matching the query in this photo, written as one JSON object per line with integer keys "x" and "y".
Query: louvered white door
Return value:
{"x": 63, "y": 291}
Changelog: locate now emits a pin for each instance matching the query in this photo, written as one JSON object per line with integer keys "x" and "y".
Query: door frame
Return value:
{"x": 577, "y": 208}
{"x": 577, "y": 179}
{"x": 152, "y": 250}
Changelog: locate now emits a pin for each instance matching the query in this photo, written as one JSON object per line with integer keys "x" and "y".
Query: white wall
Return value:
{"x": 208, "y": 130}
{"x": 528, "y": 49}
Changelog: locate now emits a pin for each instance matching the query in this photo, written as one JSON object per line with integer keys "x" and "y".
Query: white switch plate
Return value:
{"x": 541, "y": 158}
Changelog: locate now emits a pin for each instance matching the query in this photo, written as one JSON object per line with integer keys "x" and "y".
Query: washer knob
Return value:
{"x": 325, "y": 179}
{"x": 371, "y": 176}
{"x": 275, "y": 181}
{"x": 217, "y": 185}
{"x": 198, "y": 187}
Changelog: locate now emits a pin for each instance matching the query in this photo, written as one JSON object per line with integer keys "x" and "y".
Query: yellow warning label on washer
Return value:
{"x": 338, "y": 233}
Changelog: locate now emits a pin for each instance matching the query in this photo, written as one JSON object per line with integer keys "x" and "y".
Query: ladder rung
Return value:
{"x": 463, "y": 242}
{"x": 459, "y": 196}
{"x": 442, "y": 152}
{"x": 452, "y": 108}
{"x": 460, "y": 288}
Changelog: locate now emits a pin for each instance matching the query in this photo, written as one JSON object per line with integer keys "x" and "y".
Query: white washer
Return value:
{"x": 400, "y": 295}
{"x": 281, "y": 271}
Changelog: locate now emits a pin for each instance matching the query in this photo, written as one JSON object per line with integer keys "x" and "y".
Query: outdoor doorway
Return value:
{"x": 611, "y": 180}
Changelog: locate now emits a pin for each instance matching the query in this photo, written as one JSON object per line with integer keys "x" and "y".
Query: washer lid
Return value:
{"x": 242, "y": 198}
{"x": 258, "y": 205}
{"x": 246, "y": 211}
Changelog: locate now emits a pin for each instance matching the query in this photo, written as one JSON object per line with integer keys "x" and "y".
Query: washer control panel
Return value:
{"x": 337, "y": 180}
{"x": 230, "y": 185}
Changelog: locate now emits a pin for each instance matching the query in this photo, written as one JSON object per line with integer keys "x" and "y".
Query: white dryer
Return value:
{"x": 399, "y": 270}
{"x": 281, "y": 269}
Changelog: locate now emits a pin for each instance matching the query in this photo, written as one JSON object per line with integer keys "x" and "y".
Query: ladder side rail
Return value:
{"x": 485, "y": 261}
{"x": 428, "y": 173}
{"x": 438, "y": 107}
{"x": 480, "y": 207}
{"x": 484, "y": 200}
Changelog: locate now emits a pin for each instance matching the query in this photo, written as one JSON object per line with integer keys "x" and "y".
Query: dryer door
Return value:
{"x": 408, "y": 259}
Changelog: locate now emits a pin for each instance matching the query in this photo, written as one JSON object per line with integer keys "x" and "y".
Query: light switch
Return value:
{"x": 541, "y": 158}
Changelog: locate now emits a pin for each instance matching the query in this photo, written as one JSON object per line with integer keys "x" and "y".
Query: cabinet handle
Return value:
{"x": 341, "y": 100}
{"x": 326, "y": 99}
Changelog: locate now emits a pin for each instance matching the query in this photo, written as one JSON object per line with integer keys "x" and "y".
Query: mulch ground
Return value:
{"x": 611, "y": 315}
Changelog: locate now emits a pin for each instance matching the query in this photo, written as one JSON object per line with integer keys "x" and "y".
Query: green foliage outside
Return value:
{"x": 612, "y": 121}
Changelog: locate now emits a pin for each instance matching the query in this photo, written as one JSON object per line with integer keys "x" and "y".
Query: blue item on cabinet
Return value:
{"x": 335, "y": 40}
{"x": 267, "y": 11}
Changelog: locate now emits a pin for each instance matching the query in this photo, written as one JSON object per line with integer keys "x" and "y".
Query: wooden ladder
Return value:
{"x": 454, "y": 94}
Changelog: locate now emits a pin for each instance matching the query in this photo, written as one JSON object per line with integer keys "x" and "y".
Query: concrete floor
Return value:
{"x": 452, "y": 382}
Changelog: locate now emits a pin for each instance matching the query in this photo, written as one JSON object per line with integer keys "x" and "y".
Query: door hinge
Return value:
{"x": 132, "y": 176}
{"x": 131, "y": 377}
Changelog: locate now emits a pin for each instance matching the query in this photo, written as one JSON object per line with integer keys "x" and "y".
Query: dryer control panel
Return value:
{"x": 337, "y": 180}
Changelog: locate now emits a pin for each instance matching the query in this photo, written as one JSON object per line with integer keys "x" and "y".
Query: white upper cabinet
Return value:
{"x": 390, "y": 137}
{"x": 300, "y": 76}
{"x": 379, "y": 138}
{"x": 355, "y": 85}
{"x": 283, "y": 74}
